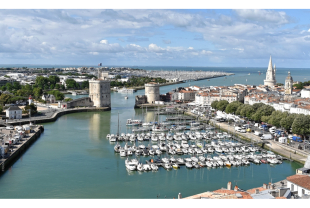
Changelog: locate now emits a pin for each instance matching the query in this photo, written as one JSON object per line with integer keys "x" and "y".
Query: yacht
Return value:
{"x": 131, "y": 122}
{"x": 158, "y": 152}
{"x": 165, "y": 160}
{"x": 126, "y": 97}
{"x": 202, "y": 158}
{"x": 117, "y": 148}
{"x": 194, "y": 159}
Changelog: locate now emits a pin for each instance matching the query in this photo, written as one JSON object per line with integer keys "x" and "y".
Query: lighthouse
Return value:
{"x": 30, "y": 100}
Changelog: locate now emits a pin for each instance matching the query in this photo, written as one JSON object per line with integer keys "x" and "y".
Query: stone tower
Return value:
{"x": 288, "y": 84}
{"x": 152, "y": 92}
{"x": 270, "y": 75}
{"x": 100, "y": 90}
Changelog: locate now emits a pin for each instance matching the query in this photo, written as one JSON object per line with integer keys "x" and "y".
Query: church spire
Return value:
{"x": 270, "y": 65}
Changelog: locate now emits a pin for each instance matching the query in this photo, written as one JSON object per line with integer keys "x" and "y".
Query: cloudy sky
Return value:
{"x": 156, "y": 37}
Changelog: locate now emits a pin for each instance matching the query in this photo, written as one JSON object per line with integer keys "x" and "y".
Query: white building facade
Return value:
{"x": 14, "y": 112}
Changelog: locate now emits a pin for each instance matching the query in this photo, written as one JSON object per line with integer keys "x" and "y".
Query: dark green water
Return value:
{"x": 73, "y": 159}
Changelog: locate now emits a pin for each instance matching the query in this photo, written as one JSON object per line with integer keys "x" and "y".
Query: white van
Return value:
{"x": 266, "y": 136}
{"x": 237, "y": 128}
{"x": 256, "y": 124}
{"x": 258, "y": 133}
{"x": 283, "y": 140}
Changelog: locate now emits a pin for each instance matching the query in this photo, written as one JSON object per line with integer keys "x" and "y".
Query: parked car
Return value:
{"x": 9, "y": 128}
{"x": 258, "y": 133}
{"x": 242, "y": 131}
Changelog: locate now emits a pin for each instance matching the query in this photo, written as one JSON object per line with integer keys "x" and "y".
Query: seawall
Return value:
{"x": 21, "y": 147}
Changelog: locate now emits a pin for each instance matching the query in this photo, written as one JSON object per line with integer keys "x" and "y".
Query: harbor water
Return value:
{"x": 73, "y": 159}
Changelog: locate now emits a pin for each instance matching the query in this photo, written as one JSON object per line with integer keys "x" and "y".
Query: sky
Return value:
{"x": 156, "y": 37}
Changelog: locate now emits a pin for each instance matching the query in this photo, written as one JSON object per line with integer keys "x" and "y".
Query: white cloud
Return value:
{"x": 94, "y": 53}
{"x": 104, "y": 41}
{"x": 190, "y": 48}
{"x": 309, "y": 30}
{"x": 154, "y": 48}
{"x": 261, "y": 15}
{"x": 206, "y": 52}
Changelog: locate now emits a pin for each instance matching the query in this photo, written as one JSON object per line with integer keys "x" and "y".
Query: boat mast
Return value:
{"x": 118, "y": 124}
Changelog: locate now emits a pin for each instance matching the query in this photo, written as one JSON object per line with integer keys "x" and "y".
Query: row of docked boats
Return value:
{"x": 179, "y": 136}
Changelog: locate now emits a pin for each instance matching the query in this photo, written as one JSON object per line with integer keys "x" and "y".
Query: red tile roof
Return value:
{"x": 300, "y": 180}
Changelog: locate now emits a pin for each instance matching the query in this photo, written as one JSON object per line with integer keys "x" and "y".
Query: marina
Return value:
{"x": 75, "y": 149}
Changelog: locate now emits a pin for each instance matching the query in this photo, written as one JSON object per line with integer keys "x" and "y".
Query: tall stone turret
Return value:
{"x": 288, "y": 84}
{"x": 152, "y": 92}
{"x": 270, "y": 75}
{"x": 100, "y": 90}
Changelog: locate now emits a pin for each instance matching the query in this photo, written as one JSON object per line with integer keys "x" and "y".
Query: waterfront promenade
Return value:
{"x": 281, "y": 149}
{"x": 51, "y": 115}
{"x": 17, "y": 149}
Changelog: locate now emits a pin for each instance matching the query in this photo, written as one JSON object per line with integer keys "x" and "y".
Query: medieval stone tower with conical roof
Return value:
{"x": 270, "y": 75}
{"x": 288, "y": 84}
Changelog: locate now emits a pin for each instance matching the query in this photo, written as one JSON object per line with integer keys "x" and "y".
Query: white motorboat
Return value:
{"x": 154, "y": 167}
{"x": 202, "y": 158}
{"x": 151, "y": 152}
{"x": 175, "y": 166}
{"x": 167, "y": 166}
{"x": 112, "y": 139}
{"x": 123, "y": 153}
{"x": 172, "y": 159}
{"x": 158, "y": 152}
{"x": 257, "y": 161}
{"x": 140, "y": 167}
{"x": 146, "y": 167}
{"x": 194, "y": 159}
{"x": 141, "y": 146}
{"x": 187, "y": 159}
{"x": 131, "y": 167}
{"x": 185, "y": 151}
{"x": 129, "y": 152}
{"x": 180, "y": 160}
{"x": 220, "y": 162}
{"x": 165, "y": 160}
{"x": 198, "y": 151}
{"x": 209, "y": 164}
{"x": 188, "y": 165}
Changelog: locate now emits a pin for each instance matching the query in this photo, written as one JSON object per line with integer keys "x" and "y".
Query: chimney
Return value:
{"x": 179, "y": 196}
{"x": 269, "y": 185}
{"x": 265, "y": 186}
{"x": 229, "y": 187}
{"x": 236, "y": 188}
{"x": 256, "y": 191}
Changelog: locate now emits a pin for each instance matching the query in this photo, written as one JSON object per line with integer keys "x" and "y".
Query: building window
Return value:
{"x": 303, "y": 191}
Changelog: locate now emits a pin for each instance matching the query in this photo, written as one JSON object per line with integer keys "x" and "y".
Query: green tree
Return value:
{"x": 247, "y": 111}
{"x": 32, "y": 108}
{"x": 42, "y": 82}
{"x": 276, "y": 117}
{"x": 118, "y": 77}
{"x": 68, "y": 99}
{"x": 53, "y": 80}
{"x": 238, "y": 111}
{"x": 58, "y": 95}
{"x": 9, "y": 87}
{"x": 5, "y": 98}
{"x": 3, "y": 88}
{"x": 16, "y": 86}
{"x": 52, "y": 86}
{"x": 37, "y": 92}
{"x": 71, "y": 83}
{"x": 85, "y": 84}
{"x": 57, "y": 86}
{"x": 287, "y": 122}
{"x": 301, "y": 125}
{"x": 265, "y": 119}
{"x": 214, "y": 104}
{"x": 221, "y": 105}
{"x": 232, "y": 107}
